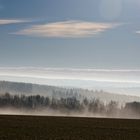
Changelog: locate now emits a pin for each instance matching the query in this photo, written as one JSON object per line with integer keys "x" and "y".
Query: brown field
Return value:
{"x": 67, "y": 128}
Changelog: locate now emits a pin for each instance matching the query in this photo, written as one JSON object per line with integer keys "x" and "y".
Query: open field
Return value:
{"x": 67, "y": 128}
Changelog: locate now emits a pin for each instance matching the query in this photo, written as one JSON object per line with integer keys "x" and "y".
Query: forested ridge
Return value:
{"x": 16, "y": 88}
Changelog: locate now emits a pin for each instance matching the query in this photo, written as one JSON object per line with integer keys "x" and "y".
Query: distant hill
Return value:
{"x": 58, "y": 92}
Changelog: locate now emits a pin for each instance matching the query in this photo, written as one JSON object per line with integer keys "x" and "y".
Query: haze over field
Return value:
{"x": 33, "y": 99}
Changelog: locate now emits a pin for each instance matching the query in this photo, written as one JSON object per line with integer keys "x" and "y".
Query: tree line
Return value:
{"x": 69, "y": 104}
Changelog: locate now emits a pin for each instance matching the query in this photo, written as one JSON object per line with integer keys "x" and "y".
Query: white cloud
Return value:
{"x": 67, "y": 29}
{"x": 11, "y": 21}
{"x": 113, "y": 80}
{"x": 137, "y": 32}
{"x": 99, "y": 75}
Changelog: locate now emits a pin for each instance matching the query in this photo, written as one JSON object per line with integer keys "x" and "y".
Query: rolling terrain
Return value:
{"x": 58, "y": 92}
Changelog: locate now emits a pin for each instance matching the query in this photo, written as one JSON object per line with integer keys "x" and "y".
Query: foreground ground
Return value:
{"x": 66, "y": 128}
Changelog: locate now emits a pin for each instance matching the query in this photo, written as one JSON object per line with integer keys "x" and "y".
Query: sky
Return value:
{"x": 71, "y": 34}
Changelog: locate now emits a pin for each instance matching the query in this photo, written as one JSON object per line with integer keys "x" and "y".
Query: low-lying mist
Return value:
{"x": 49, "y": 112}
{"x": 69, "y": 106}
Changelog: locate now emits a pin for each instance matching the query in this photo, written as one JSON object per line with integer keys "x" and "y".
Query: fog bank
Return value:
{"x": 118, "y": 81}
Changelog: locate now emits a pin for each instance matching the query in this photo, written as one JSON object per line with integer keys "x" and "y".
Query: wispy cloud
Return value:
{"x": 138, "y": 32}
{"x": 67, "y": 29}
{"x": 113, "y": 80}
{"x": 11, "y": 21}
{"x": 99, "y": 75}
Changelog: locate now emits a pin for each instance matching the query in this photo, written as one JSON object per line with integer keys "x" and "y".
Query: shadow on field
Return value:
{"x": 67, "y": 128}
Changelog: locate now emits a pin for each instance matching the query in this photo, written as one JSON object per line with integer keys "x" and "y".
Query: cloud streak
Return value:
{"x": 67, "y": 29}
{"x": 99, "y": 75}
{"x": 123, "y": 81}
{"x": 138, "y": 32}
{"x": 11, "y": 21}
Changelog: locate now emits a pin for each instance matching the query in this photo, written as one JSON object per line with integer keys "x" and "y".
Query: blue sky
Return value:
{"x": 98, "y": 34}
